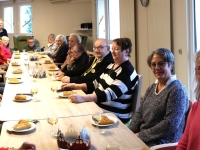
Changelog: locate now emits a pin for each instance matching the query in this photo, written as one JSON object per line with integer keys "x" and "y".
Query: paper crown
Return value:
{"x": 73, "y": 141}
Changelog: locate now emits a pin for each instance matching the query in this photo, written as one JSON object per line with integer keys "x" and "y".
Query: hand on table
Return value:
{"x": 59, "y": 73}
{"x": 68, "y": 86}
{"x": 76, "y": 98}
{"x": 27, "y": 146}
{"x": 66, "y": 79}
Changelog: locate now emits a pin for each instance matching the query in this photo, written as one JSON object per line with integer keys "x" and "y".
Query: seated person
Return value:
{"x": 190, "y": 139}
{"x": 79, "y": 59}
{"x": 31, "y": 46}
{"x": 3, "y": 57}
{"x": 114, "y": 87}
{"x": 72, "y": 40}
{"x": 161, "y": 116}
{"x": 24, "y": 146}
{"x": 51, "y": 45}
{"x": 5, "y": 42}
{"x": 3, "y": 32}
{"x": 96, "y": 66}
{"x": 0, "y": 41}
{"x": 62, "y": 48}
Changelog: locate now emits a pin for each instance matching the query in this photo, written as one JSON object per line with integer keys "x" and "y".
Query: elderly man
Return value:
{"x": 31, "y": 46}
{"x": 51, "y": 45}
{"x": 3, "y": 31}
{"x": 97, "y": 64}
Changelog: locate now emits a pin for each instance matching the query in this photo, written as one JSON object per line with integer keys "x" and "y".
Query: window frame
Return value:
{"x": 5, "y": 6}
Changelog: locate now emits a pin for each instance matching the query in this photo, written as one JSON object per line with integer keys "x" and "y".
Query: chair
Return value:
{"x": 83, "y": 39}
{"x": 172, "y": 146}
{"x": 136, "y": 97}
{"x": 19, "y": 42}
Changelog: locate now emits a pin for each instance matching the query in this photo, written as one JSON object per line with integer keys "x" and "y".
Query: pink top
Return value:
{"x": 191, "y": 139}
{"x": 7, "y": 52}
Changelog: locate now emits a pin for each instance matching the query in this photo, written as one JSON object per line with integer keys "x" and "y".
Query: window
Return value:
{"x": 26, "y": 19}
{"x": 8, "y": 19}
{"x": 108, "y": 25}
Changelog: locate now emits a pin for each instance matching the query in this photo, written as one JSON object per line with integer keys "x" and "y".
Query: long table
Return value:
{"x": 77, "y": 115}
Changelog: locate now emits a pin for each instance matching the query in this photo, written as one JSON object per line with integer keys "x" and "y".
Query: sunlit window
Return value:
{"x": 108, "y": 20}
{"x": 8, "y": 19}
{"x": 197, "y": 24}
{"x": 26, "y": 19}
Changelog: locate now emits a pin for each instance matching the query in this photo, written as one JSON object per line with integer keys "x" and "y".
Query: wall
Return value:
{"x": 60, "y": 18}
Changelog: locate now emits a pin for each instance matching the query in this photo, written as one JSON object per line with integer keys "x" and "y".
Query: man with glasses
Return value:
{"x": 31, "y": 46}
{"x": 97, "y": 64}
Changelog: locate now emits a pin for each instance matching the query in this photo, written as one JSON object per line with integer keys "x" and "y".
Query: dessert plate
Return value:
{"x": 10, "y": 124}
{"x": 110, "y": 117}
{"x": 20, "y": 81}
{"x": 17, "y": 72}
{"x": 28, "y": 98}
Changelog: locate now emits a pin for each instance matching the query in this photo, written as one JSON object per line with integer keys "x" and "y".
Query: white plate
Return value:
{"x": 56, "y": 69}
{"x": 20, "y": 81}
{"x": 10, "y": 125}
{"x": 110, "y": 117}
{"x": 48, "y": 62}
{"x": 28, "y": 98}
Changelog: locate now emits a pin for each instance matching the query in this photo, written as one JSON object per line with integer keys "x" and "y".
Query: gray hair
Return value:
{"x": 78, "y": 38}
{"x": 52, "y": 35}
{"x": 62, "y": 37}
{"x": 197, "y": 87}
{"x": 5, "y": 38}
{"x": 165, "y": 53}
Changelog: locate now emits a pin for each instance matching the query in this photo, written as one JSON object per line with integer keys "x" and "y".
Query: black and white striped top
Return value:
{"x": 114, "y": 89}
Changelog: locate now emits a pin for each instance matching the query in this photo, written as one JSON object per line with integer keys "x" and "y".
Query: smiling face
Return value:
{"x": 31, "y": 42}
{"x": 119, "y": 55}
{"x": 51, "y": 39}
{"x": 100, "y": 48}
{"x": 75, "y": 53}
{"x": 58, "y": 41}
{"x": 160, "y": 68}
{"x": 4, "y": 42}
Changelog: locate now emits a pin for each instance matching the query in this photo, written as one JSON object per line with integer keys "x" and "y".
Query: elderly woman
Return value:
{"x": 114, "y": 87}
{"x": 190, "y": 139}
{"x": 51, "y": 46}
{"x": 3, "y": 32}
{"x": 3, "y": 57}
{"x": 161, "y": 116}
{"x": 5, "y": 41}
{"x": 78, "y": 60}
{"x": 60, "y": 54}
{"x": 73, "y": 39}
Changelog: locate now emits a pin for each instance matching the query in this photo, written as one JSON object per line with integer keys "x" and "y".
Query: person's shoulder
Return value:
{"x": 177, "y": 84}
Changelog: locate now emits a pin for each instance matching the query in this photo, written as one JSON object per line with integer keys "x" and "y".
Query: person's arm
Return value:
{"x": 74, "y": 86}
{"x": 76, "y": 98}
{"x": 175, "y": 112}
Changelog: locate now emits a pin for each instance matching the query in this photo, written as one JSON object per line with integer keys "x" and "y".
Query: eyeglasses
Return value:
{"x": 99, "y": 48}
{"x": 160, "y": 64}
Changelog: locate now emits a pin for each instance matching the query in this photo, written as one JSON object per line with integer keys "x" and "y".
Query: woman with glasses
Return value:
{"x": 78, "y": 60}
{"x": 113, "y": 89}
{"x": 161, "y": 115}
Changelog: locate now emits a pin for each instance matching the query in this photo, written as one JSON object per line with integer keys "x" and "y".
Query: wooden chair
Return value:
{"x": 172, "y": 146}
{"x": 136, "y": 96}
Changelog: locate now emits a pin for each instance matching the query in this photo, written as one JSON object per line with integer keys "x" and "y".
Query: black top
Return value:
{"x": 76, "y": 69}
{"x": 99, "y": 69}
{"x": 61, "y": 54}
{"x": 4, "y": 33}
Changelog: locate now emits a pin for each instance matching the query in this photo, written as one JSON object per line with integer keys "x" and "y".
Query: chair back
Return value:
{"x": 137, "y": 94}
{"x": 20, "y": 42}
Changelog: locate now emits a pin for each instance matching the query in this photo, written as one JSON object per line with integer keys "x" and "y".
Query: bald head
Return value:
{"x": 101, "y": 48}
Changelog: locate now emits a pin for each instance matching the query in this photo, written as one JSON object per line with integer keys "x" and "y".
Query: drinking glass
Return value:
{"x": 52, "y": 120}
{"x": 51, "y": 75}
{"x": 32, "y": 73}
{"x": 96, "y": 117}
{"x": 34, "y": 90}
{"x": 54, "y": 88}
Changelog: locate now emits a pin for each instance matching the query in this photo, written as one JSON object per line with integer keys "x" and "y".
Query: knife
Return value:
{"x": 24, "y": 94}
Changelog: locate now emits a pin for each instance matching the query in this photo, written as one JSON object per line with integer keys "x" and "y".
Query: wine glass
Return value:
{"x": 52, "y": 119}
{"x": 51, "y": 75}
{"x": 54, "y": 88}
{"x": 96, "y": 117}
{"x": 34, "y": 90}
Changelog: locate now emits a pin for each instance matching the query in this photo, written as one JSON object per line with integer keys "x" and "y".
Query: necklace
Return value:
{"x": 111, "y": 70}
